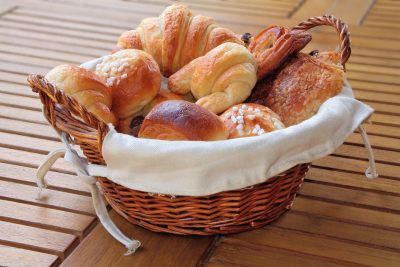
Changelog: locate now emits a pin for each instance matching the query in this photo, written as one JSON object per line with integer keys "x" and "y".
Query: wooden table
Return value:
{"x": 339, "y": 217}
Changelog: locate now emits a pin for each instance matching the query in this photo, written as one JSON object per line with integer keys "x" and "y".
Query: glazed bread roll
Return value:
{"x": 223, "y": 77}
{"x": 134, "y": 79}
{"x": 86, "y": 88}
{"x": 250, "y": 119}
{"x": 301, "y": 86}
{"x": 182, "y": 120}
{"x": 272, "y": 46}
{"x": 176, "y": 37}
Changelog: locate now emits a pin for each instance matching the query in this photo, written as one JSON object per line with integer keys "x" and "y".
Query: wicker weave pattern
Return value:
{"x": 222, "y": 213}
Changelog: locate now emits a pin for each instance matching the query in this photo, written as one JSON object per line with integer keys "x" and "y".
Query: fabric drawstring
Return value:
{"x": 370, "y": 173}
{"x": 80, "y": 164}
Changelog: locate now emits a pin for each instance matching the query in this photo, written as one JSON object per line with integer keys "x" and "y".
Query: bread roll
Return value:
{"x": 86, "y": 88}
{"x": 273, "y": 45}
{"x": 134, "y": 79}
{"x": 297, "y": 91}
{"x": 250, "y": 119}
{"x": 223, "y": 77}
{"x": 182, "y": 120}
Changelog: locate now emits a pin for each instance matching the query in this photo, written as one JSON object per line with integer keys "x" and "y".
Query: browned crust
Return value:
{"x": 300, "y": 87}
{"x": 182, "y": 120}
{"x": 272, "y": 46}
{"x": 252, "y": 115}
{"x": 86, "y": 87}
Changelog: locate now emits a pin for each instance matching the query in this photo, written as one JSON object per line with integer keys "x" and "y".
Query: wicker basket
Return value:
{"x": 221, "y": 213}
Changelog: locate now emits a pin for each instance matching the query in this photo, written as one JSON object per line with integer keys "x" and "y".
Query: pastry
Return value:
{"x": 299, "y": 88}
{"x": 250, "y": 119}
{"x": 223, "y": 77}
{"x": 176, "y": 37}
{"x": 272, "y": 46}
{"x": 85, "y": 87}
{"x": 134, "y": 79}
{"x": 182, "y": 120}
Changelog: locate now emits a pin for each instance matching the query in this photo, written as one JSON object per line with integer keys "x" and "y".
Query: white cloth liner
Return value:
{"x": 204, "y": 168}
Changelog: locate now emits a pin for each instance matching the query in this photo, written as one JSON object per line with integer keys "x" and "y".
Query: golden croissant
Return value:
{"x": 85, "y": 87}
{"x": 176, "y": 37}
{"x": 225, "y": 76}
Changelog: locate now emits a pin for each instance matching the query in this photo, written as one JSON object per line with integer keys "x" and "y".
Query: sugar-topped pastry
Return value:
{"x": 134, "y": 79}
{"x": 250, "y": 119}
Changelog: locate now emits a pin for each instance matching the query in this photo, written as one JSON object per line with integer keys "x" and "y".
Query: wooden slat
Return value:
{"x": 355, "y": 165}
{"x": 36, "y": 239}
{"x": 231, "y": 252}
{"x": 20, "y": 142}
{"x": 348, "y": 213}
{"x": 28, "y": 129}
{"x": 346, "y": 231}
{"x": 22, "y": 115}
{"x": 16, "y": 89}
{"x": 46, "y": 218}
{"x": 100, "y": 249}
{"x": 354, "y": 196}
{"x": 320, "y": 246}
{"x": 10, "y": 255}
{"x": 49, "y": 198}
{"x": 33, "y": 160}
{"x": 355, "y": 180}
{"x": 56, "y": 180}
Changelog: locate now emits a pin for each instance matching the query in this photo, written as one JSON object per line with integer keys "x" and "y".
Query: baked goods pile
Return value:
{"x": 219, "y": 85}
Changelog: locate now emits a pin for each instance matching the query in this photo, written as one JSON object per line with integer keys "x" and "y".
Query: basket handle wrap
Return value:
{"x": 341, "y": 28}
{"x": 49, "y": 93}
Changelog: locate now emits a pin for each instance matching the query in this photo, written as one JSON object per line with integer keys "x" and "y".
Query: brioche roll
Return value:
{"x": 134, "y": 79}
{"x": 225, "y": 76}
{"x": 182, "y": 120}
{"x": 250, "y": 119}
{"x": 85, "y": 87}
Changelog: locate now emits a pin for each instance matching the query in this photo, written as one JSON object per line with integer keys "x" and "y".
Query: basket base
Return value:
{"x": 222, "y": 213}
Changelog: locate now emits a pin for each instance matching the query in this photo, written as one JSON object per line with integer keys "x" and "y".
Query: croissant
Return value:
{"x": 86, "y": 88}
{"x": 176, "y": 37}
{"x": 223, "y": 77}
{"x": 302, "y": 84}
{"x": 272, "y": 46}
{"x": 134, "y": 78}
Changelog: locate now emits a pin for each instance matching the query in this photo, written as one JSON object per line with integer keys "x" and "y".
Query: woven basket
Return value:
{"x": 226, "y": 212}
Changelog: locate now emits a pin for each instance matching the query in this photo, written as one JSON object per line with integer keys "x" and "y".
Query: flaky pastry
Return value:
{"x": 176, "y": 37}
{"x": 223, "y": 77}
{"x": 85, "y": 87}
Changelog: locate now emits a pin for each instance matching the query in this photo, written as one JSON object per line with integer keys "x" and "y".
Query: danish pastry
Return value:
{"x": 299, "y": 88}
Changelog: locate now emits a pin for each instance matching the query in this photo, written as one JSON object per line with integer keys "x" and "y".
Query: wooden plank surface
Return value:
{"x": 339, "y": 217}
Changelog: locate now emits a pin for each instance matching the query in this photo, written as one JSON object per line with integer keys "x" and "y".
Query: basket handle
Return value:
{"x": 40, "y": 85}
{"x": 341, "y": 28}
